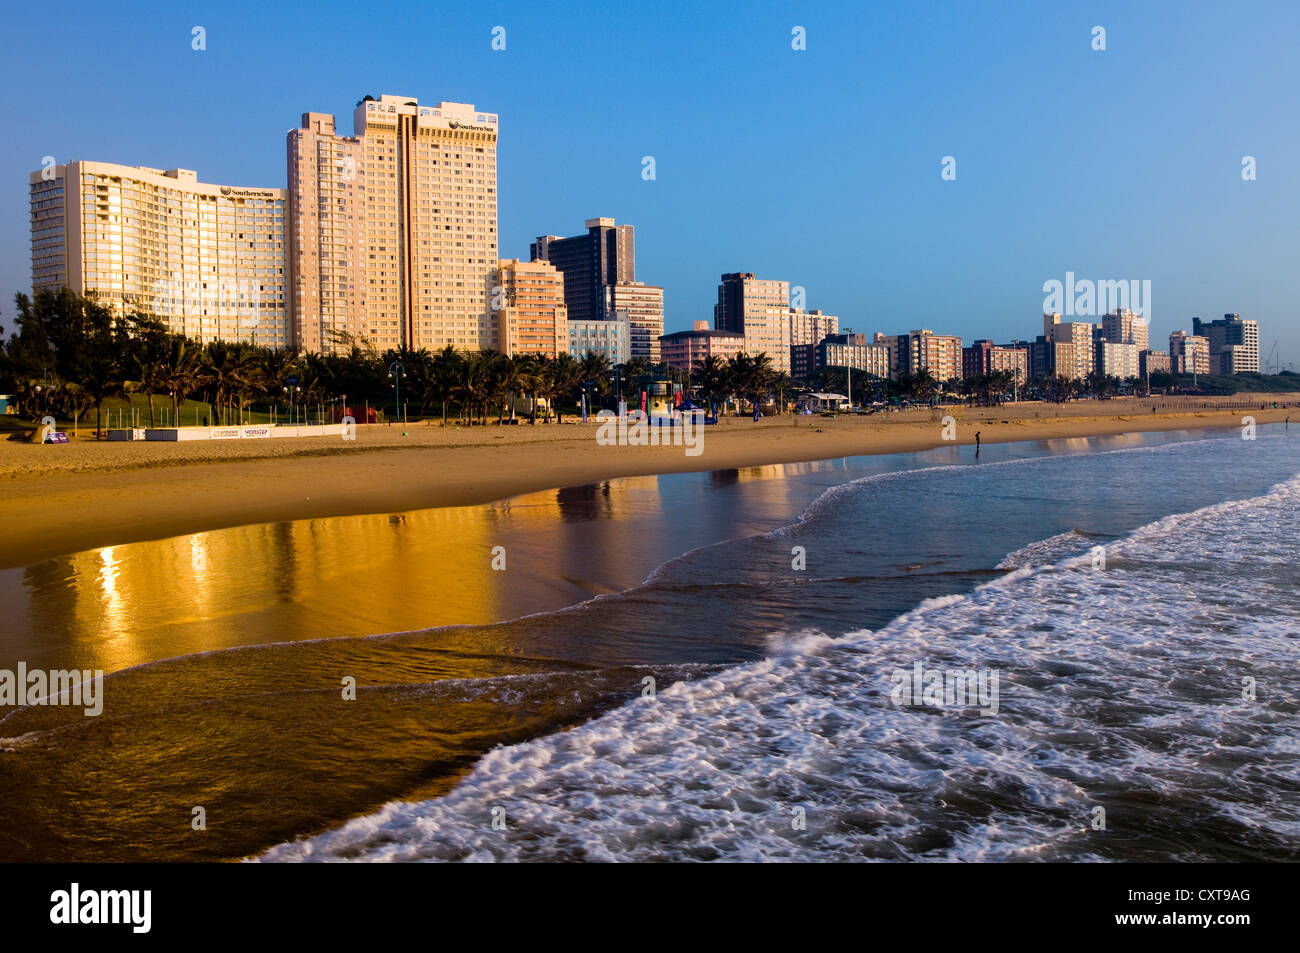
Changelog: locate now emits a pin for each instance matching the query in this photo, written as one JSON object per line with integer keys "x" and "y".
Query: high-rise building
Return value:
{"x": 1189, "y": 353}
{"x": 760, "y": 310}
{"x": 426, "y": 188}
{"x": 896, "y": 347}
{"x": 1049, "y": 358}
{"x": 1117, "y": 360}
{"x": 1078, "y": 334}
{"x": 643, "y": 307}
{"x": 852, "y": 350}
{"x": 684, "y": 350}
{"x": 985, "y": 357}
{"x": 531, "y": 315}
{"x": 811, "y": 327}
{"x": 208, "y": 260}
{"x": 1234, "y": 343}
{"x": 1037, "y": 352}
{"x": 940, "y": 354}
{"x": 591, "y": 263}
{"x": 1125, "y": 327}
{"x": 807, "y": 330}
{"x": 1153, "y": 362}
{"x": 326, "y": 237}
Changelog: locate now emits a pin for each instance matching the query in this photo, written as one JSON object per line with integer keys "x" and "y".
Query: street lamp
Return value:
{"x": 290, "y": 392}
{"x": 396, "y": 371}
{"x": 849, "y": 369}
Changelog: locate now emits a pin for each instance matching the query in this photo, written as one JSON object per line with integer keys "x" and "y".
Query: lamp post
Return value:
{"x": 396, "y": 371}
{"x": 849, "y": 369}
{"x": 290, "y": 393}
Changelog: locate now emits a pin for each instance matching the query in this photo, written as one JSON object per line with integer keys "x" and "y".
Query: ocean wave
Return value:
{"x": 1046, "y": 551}
{"x": 1120, "y": 689}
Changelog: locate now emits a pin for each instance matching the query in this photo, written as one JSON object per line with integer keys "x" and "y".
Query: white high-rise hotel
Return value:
{"x": 209, "y": 260}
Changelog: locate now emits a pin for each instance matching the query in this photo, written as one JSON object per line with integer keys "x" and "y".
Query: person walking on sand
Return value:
{"x": 977, "y": 443}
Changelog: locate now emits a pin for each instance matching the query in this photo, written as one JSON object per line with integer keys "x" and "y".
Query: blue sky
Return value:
{"x": 819, "y": 167}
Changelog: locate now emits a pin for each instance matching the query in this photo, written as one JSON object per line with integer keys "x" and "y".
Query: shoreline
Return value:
{"x": 82, "y": 501}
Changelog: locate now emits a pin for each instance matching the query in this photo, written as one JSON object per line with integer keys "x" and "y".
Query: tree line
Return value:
{"x": 69, "y": 353}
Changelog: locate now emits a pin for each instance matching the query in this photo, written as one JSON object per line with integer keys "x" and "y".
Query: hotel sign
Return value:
{"x": 466, "y": 125}
{"x": 247, "y": 193}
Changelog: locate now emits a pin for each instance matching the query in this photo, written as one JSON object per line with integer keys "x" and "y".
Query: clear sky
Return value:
{"x": 820, "y": 167}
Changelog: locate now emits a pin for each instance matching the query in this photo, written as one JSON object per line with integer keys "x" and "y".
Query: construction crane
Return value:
{"x": 1269, "y": 366}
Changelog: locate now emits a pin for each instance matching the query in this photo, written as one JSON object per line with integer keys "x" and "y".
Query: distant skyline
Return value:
{"x": 818, "y": 167}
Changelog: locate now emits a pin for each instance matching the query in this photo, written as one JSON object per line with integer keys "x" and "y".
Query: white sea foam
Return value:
{"x": 1043, "y": 552}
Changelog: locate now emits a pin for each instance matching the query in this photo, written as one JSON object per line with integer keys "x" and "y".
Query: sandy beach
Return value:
{"x": 68, "y": 498}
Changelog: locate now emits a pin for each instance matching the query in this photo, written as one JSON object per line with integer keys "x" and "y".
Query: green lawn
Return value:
{"x": 117, "y": 409}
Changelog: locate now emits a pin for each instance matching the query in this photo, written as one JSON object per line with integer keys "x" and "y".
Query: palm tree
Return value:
{"x": 182, "y": 371}
{"x": 595, "y": 367}
{"x": 474, "y": 385}
{"x": 419, "y": 368}
{"x": 923, "y": 386}
{"x": 637, "y": 367}
{"x": 750, "y": 376}
{"x": 147, "y": 358}
{"x": 761, "y": 375}
{"x": 518, "y": 375}
{"x": 781, "y": 383}
{"x": 444, "y": 374}
{"x": 711, "y": 374}
{"x": 1063, "y": 388}
{"x": 565, "y": 378}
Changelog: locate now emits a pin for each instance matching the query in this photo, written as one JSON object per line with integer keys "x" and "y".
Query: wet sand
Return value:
{"x": 61, "y": 499}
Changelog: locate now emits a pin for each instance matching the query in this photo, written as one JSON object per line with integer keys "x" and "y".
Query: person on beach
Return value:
{"x": 977, "y": 443}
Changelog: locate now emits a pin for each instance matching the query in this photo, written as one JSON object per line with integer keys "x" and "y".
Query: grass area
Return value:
{"x": 117, "y": 411}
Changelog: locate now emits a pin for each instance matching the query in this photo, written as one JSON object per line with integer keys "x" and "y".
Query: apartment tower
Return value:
{"x": 528, "y": 299}
{"x": 326, "y": 237}
{"x": 1233, "y": 341}
{"x": 591, "y": 263}
{"x": 642, "y": 306}
{"x": 1189, "y": 353}
{"x": 425, "y": 194}
{"x": 760, "y": 310}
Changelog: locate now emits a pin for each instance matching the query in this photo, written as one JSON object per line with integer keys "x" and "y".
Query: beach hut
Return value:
{"x": 821, "y": 403}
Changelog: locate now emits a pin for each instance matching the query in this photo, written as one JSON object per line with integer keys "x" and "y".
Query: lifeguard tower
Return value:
{"x": 658, "y": 397}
